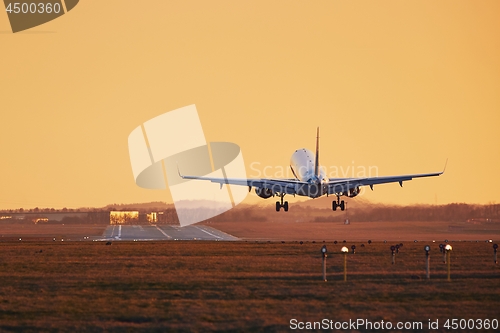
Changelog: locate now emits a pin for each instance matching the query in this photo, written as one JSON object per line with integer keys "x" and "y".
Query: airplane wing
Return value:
{"x": 288, "y": 186}
{"x": 293, "y": 186}
{"x": 343, "y": 185}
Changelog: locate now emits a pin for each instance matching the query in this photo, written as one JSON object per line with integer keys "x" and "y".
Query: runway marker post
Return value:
{"x": 495, "y": 247}
{"x": 443, "y": 251}
{"x": 344, "y": 251}
{"x": 427, "y": 248}
{"x": 324, "y": 255}
{"x": 448, "y": 249}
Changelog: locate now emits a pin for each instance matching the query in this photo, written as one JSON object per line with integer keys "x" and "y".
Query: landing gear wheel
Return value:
{"x": 278, "y": 206}
{"x": 338, "y": 204}
{"x": 285, "y": 206}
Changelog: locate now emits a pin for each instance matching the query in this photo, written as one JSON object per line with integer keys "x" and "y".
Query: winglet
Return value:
{"x": 179, "y": 172}
{"x": 445, "y": 164}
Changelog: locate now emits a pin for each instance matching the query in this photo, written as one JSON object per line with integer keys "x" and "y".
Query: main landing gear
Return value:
{"x": 281, "y": 204}
{"x": 338, "y": 203}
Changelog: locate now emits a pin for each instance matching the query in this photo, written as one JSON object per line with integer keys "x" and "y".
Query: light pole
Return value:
{"x": 448, "y": 249}
{"x": 495, "y": 247}
{"x": 441, "y": 248}
{"x": 427, "y": 248}
{"x": 323, "y": 253}
{"x": 393, "y": 249}
{"x": 344, "y": 251}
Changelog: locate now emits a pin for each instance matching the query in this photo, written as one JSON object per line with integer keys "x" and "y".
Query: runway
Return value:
{"x": 163, "y": 232}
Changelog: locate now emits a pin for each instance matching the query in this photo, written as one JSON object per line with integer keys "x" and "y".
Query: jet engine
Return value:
{"x": 353, "y": 192}
{"x": 263, "y": 192}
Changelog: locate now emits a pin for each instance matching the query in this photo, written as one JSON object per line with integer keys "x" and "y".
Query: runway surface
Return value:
{"x": 163, "y": 232}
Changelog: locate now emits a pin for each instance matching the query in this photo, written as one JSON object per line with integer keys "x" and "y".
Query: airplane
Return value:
{"x": 311, "y": 181}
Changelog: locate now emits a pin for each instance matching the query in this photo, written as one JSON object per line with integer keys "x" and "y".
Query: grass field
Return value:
{"x": 236, "y": 286}
{"x": 44, "y": 232}
{"x": 360, "y": 231}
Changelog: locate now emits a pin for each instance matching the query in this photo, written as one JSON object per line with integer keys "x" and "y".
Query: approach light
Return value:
{"x": 323, "y": 253}
{"x": 344, "y": 249}
{"x": 448, "y": 250}
{"x": 427, "y": 248}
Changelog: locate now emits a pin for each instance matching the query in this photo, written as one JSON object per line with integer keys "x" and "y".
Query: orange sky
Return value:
{"x": 400, "y": 85}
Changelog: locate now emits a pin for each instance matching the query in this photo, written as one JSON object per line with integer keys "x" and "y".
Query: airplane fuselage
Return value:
{"x": 302, "y": 164}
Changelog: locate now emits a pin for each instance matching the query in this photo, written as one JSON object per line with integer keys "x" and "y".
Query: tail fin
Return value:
{"x": 316, "y": 163}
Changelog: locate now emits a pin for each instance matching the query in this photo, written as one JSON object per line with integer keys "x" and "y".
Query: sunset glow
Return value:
{"x": 397, "y": 87}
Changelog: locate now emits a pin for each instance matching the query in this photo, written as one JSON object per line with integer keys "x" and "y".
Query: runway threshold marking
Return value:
{"x": 163, "y": 232}
{"x": 208, "y": 233}
{"x": 225, "y": 233}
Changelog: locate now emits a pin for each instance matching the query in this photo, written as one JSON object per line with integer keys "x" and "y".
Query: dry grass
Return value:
{"x": 233, "y": 286}
{"x": 359, "y": 231}
{"x": 40, "y": 232}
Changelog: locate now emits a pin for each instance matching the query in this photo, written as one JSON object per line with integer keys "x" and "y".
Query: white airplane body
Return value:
{"x": 311, "y": 181}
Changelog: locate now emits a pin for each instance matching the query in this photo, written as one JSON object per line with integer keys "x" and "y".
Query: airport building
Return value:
{"x": 132, "y": 217}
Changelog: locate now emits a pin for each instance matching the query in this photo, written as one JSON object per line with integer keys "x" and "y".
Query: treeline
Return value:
{"x": 456, "y": 212}
{"x": 242, "y": 213}
{"x": 156, "y": 206}
{"x": 141, "y": 207}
